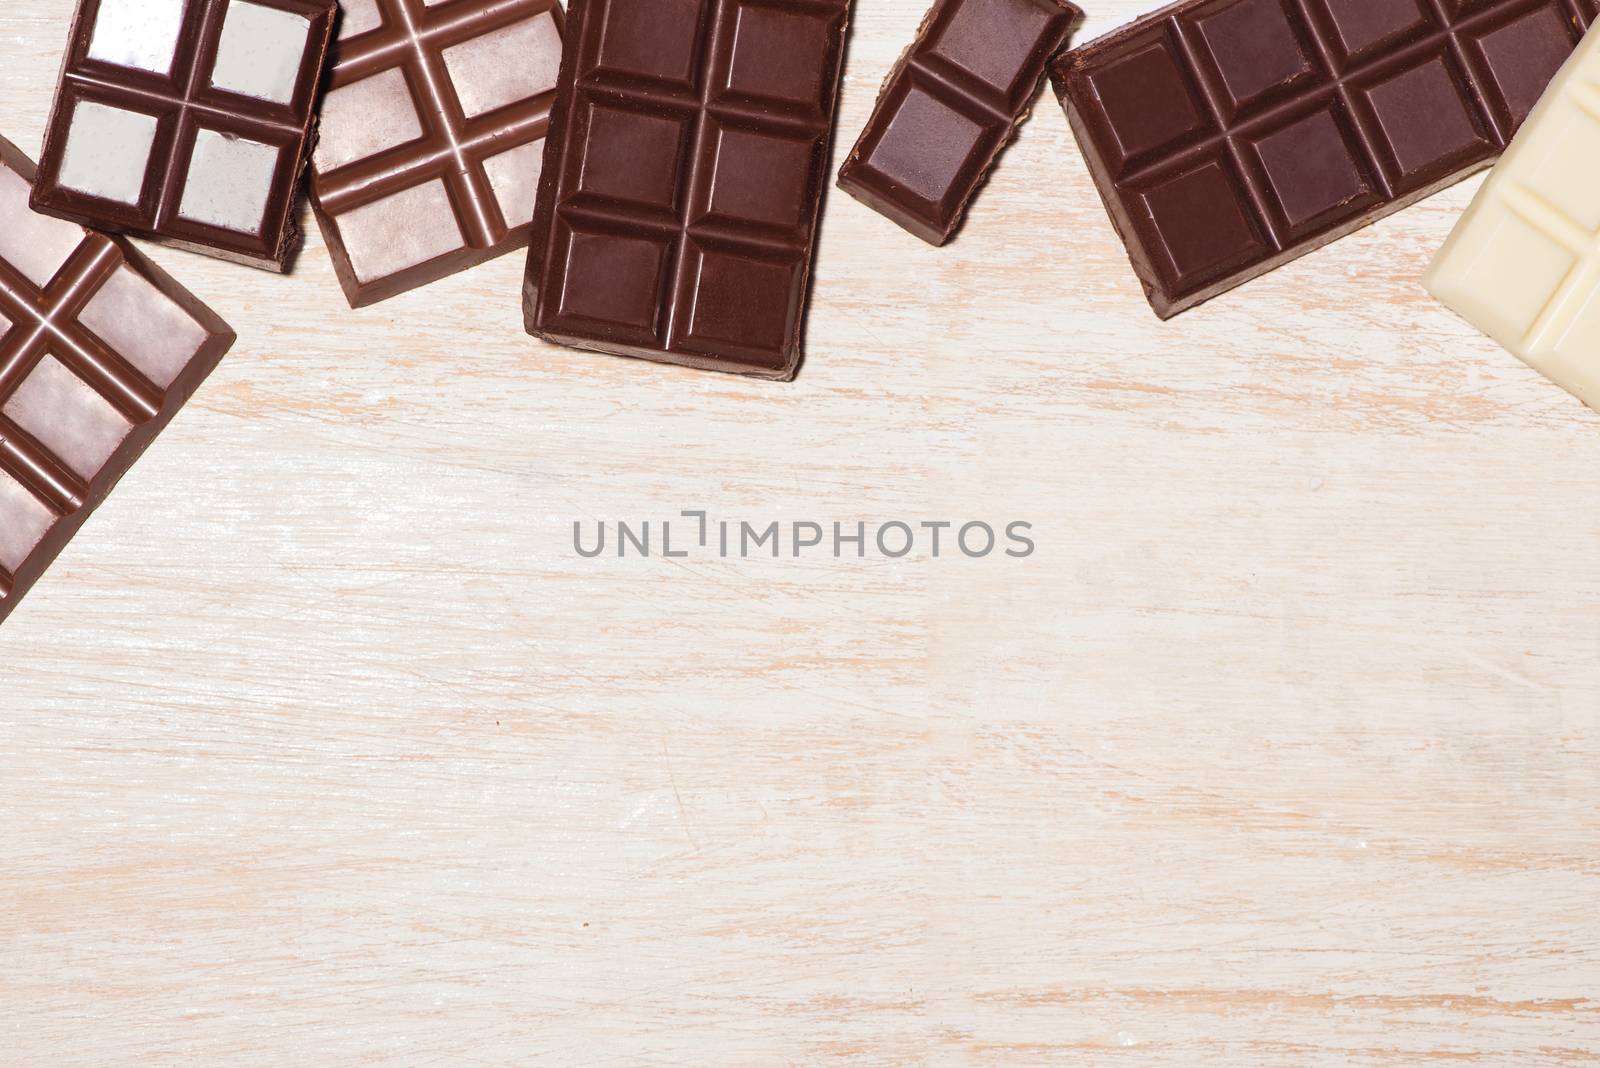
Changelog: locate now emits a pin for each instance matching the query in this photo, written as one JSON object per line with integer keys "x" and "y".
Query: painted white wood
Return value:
{"x": 321, "y": 746}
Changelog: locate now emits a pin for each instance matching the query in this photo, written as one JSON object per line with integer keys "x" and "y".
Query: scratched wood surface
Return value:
{"x": 321, "y": 746}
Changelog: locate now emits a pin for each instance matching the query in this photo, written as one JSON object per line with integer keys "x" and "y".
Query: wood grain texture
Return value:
{"x": 320, "y": 745}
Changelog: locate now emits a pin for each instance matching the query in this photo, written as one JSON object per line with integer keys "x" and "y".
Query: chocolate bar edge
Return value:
{"x": 359, "y": 294}
{"x": 219, "y": 340}
{"x": 856, "y": 179}
{"x": 59, "y": 203}
{"x": 656, "y": 356}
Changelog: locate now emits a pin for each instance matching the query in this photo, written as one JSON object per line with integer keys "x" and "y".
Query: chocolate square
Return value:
{"x": 1314, "y": 170}
{"x": 633, "y": 155}
{"x": 1200, "y": 219}
{"x": 1354, "y": 29}
{"x": 1000, "y": 43}
{"x": 1255, "y": 51}
{"x": 647, "y": 40}
{"x": 738, "y": 306}
{"x": 1426, "y": 125}
{"x": 1146, "y": 99}
{"x": 930, "y": 149}
{"x": 758, "y": 179}
{"x": 1513, "y": 61}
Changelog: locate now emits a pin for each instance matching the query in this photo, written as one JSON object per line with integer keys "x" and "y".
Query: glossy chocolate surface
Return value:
{"x": 1229, "y": 137}
{"x": 187, "y": 121}
{"x": 683, "y": 180}
{"x": 949, "y": 108}
{"x": 432, "y": 137}
{"x": 98, "y": 350}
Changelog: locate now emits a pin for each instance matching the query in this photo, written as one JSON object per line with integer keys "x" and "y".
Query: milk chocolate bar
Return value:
{"x": 98, "y": 350}
{"x": 432, "y": 137}
{"x": 1523, "y": 264}
{"x": 949, "y": 108}
{"x": 187, "y": 121}
{"x": 1228, "y": 137}
{"x": 683, "y": 179}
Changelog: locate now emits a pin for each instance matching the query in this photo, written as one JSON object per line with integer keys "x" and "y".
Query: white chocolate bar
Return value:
{"x": 1523, "y": 264}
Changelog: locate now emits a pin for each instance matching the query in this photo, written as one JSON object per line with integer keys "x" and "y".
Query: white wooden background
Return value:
{"x": 319, "y": 746}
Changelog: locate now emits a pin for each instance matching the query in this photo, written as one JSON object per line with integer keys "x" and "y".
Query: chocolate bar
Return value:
{"x": 683, "y": 180}
{"x": 949, "y": 108}
{"x": 187, "y": 121}
{"x": 98, "y": 350}
{"x": 432, "y": 137}
{"x": 1523, "y": 264}
{"x": 1228, "y": 137}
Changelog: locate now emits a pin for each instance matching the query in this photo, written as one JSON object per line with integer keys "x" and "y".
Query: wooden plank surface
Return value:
{"x": 321, "y": 745}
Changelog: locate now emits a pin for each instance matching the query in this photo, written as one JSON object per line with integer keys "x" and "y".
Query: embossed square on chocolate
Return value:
{"x": 98, "y": 350}
{"x": 432, "y": 137}
{"x": 683, "y": 180}
{"x": 187, "y": 121}
{"x": 1228, "y": 137}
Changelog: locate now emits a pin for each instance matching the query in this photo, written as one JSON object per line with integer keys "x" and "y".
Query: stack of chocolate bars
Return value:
{"x": 665, "y": 163}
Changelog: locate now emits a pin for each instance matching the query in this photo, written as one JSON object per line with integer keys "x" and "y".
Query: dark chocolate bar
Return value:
{"x": 427, "y": 161}
{"x": 683, "y": 180}
{"x": 949, "y": 108}
{"x": 98, "y": 350}
{"x": 1229, "y": 137}
{"x": 187, "y": 121}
